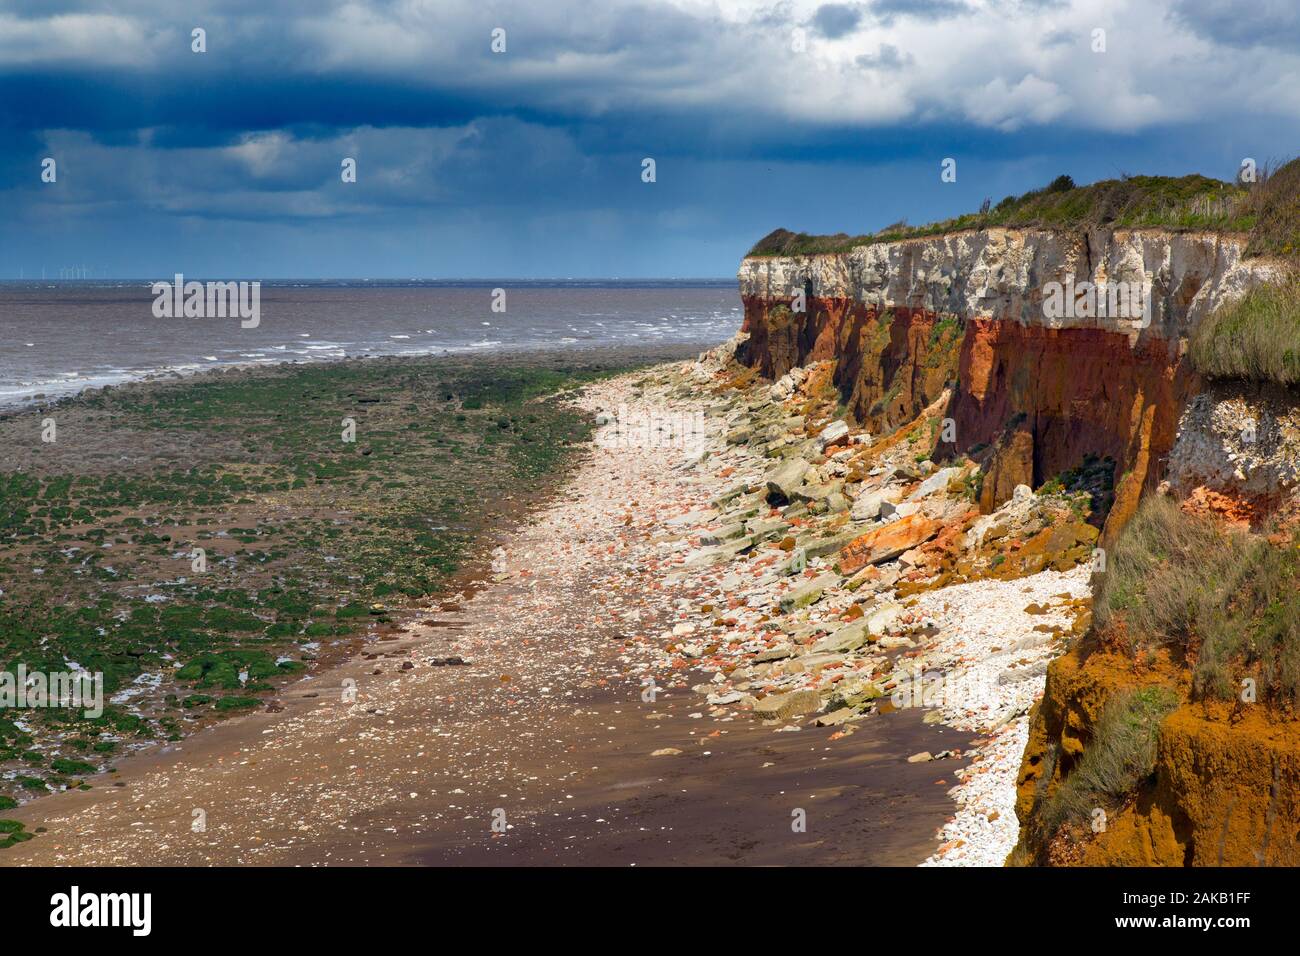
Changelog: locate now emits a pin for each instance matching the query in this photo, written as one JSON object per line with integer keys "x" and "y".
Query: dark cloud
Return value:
{"x": 528, "y": 163}
{"x": 887, "y": 11}
{"x": 1270, "y": 23}
{"x": 886, "y": 57}
{"x": 834, "y": 20}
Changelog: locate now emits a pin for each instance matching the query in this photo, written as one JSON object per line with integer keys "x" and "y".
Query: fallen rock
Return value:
{"x": 788, "y": 477}
{"x": 935, "y": 483}
{"x": 811, "y": 664}
{"x": 879, "y": 620}
{"x": 808, "y": 593}
{"x": 820, "y": 547}
{"x": 831, "y": 434}
{"x": 866, "y": 507}
{"x": 837, "y": 502}
{"x": 848, "y": 638}
{"x": 889, "y": 511}
{"x": 836, "y": 717}
{"x": 888, "y": 542}
{"x": 784, "y": 706}
{"x": 780, "y": 652}
{"x": 815, "y": 493}
{"x": 893, "y": 643}
{"x": 855, "y": 692}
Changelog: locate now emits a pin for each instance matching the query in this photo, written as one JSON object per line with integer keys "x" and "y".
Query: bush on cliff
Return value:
{"x": 1256, "y": 337}
{"x": 1227, "y": 600}
{"x": 783, "y": 242}
{"x": 1121, "y": 755}
{"x": 1153, "y": 573}
{"x": 1268, "y": 209}
{"x": 1273, "y": 202}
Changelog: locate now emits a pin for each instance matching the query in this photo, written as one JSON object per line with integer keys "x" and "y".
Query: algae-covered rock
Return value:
{"x": 784, "y": 706}
{"x": 808, "y": 593}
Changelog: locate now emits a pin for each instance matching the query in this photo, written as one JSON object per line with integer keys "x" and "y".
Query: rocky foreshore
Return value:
{"x": 758, "y": 578}
{"x": 836, "y": 576}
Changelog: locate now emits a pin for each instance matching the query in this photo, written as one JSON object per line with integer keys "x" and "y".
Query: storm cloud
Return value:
{"x": 818, "y": 116}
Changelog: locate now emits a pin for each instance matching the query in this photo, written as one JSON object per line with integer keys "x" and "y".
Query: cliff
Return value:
{"x": 992, "y": 339}
{"x": 1041, "y": 391}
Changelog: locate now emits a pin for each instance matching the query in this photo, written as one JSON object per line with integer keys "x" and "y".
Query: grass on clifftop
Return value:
{"x": 1229, "y": 600}
{"x": 1268, "y": 209}
{"x": 1256, "y": 337}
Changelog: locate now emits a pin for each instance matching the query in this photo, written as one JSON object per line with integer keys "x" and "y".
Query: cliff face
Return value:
{"x": 1225, "y": 790}
{"x": 1033, "y": 392}
{"x": 1225, "y": 785}
{"x": 1042, "y": 387}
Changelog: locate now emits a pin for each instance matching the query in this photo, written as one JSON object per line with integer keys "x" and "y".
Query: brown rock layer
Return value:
{"x": 889, "y": 366}
{"x": 1073, "y": 392}
{"x": 1042, "y": 397}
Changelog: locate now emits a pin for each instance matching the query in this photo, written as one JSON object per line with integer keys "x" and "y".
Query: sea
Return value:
{"x": 58, "y": 338}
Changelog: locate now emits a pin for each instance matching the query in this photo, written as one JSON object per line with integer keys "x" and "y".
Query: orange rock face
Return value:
{"x": 1081, "y": 391}
{"x": 887, "y": 368}
{"x": 1043, "y": 397}
{"x": 1226, "y": 787}
{"x": 888, "y": 542}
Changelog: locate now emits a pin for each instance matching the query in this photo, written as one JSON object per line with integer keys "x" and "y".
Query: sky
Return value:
{"x": 530, "y": 161}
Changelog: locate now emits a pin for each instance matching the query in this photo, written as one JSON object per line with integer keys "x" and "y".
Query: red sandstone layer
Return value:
{"x": 1041, "y": 398}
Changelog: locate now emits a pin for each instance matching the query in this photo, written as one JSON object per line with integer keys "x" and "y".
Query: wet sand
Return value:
{"x": 544, "y": 733}
{"x": 729, "y": 800}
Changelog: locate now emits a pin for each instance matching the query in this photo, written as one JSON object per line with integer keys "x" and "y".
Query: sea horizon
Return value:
{"x": 68, "y": 335}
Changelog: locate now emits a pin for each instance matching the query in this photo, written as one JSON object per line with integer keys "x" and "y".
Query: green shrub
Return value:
{"x": 1268, "y": 210}
{"x": 236, "y": 703}
{"x": 1229, "y": 600}
{"x": 1256, "y": 337}
{"x": 13, "y": 832}
{"x": 1274, "y": 204}
{"x": 72, "y": 767}
{"x": 1154, "y": 573}
{"x": 1095, "y": 477}
{"x": 1121, "y": 754}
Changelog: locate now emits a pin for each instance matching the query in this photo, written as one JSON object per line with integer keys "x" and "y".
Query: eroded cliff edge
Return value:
{"x": 903, "y": 320}
{"x": 953, "y": 328}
